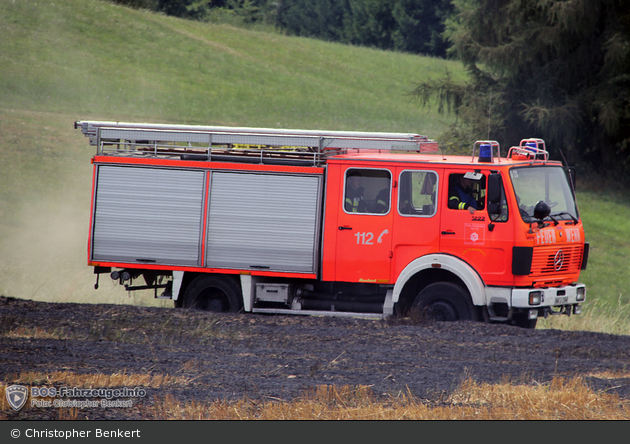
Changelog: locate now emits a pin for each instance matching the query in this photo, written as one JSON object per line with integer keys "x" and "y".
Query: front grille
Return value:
{"x": 556, "y": 259}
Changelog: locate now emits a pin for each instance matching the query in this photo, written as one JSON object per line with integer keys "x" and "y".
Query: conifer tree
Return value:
{"x": 553, "y": 69}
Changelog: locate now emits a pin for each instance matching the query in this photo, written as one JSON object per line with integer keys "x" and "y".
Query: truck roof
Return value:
{"x": 289, "y": 146}
{"x": 436, "y": 159}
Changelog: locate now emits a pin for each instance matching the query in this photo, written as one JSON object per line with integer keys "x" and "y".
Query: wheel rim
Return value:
{"x": 444, "y": 301}
{"x": 442, "y": 311}
{"x": 213, "y": 299}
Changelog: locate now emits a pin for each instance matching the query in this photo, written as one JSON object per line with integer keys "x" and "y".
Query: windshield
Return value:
{"x": 549, "y": 184}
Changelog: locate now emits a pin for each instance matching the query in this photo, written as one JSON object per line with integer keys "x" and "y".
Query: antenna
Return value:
{"x": 563, "y": 158}
{"x": 571, "y": 175}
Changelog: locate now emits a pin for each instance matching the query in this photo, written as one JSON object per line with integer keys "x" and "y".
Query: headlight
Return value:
{"x": 580, "y": 295}
{"x": 535, "y": 297}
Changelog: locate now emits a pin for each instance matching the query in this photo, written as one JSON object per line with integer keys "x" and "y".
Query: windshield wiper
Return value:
{"x": 562, "y": 213}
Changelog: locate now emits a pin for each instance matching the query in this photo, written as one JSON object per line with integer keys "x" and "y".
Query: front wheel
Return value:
{"x": 213, "y": 293}
{"x": 444, "y": 301}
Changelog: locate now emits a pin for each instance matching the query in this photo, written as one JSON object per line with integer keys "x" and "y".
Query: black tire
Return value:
{"x": 444, "y": 301}
{"x": 213, "y": 293}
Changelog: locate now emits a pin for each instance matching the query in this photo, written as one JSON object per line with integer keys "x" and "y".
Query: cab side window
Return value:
{"x": 367, "y": 191}
{"x": 467, "y": 191}
{"x": 417, "y": 193}
{"x": 497, "y": 202}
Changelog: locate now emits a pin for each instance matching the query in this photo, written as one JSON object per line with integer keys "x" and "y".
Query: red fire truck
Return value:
{"x": 334, "y": 223}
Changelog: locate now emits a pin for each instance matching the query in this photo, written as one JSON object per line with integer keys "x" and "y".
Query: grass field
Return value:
{"x": 91, "y": 59}
{"x": 80, "y": 59}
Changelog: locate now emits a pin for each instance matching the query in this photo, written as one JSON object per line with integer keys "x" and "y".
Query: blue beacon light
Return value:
{"x": 533, "y": 148}
{"x": 485, "y": 152}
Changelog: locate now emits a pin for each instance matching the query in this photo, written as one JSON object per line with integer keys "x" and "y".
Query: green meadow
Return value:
{"x": 71, "y": 60}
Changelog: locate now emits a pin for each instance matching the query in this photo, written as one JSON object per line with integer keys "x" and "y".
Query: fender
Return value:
{"x": 446, "y": 262}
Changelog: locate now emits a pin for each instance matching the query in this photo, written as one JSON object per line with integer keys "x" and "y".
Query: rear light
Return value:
{"x": 535, "y": 297}
{"x": 580, "y": 295}
{"x": 577, "y": 309}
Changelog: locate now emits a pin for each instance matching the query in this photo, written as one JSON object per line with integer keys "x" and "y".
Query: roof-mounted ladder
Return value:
{"x": 256, "y": 145}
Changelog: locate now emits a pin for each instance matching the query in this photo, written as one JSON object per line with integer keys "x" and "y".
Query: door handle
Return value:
{"x": 345, "y": 227}
{"x": 448, "y": 232}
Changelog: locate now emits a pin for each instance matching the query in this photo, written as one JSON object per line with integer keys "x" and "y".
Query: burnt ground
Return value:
{"x": 236, "y": 356}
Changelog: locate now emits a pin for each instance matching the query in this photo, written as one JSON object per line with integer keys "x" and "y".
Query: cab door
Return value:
{"x": 462, "y": 230}
{"x": 364, "y": 223}
{"x": 473, "y": 236}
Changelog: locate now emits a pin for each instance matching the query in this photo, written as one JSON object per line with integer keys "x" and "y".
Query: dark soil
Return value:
{"x": 236, "y": 356}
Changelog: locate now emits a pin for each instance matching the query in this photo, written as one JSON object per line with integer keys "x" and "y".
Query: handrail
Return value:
{"x": 529, "y": 149}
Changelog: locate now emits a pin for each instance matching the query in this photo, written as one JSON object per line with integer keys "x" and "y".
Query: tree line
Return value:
{"x": 552, "y": 69}
{"x": 414, "y": 26}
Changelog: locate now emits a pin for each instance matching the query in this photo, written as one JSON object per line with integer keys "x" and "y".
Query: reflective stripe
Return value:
{"x": 460, "y": 205}
{"x": 354, "y": 204}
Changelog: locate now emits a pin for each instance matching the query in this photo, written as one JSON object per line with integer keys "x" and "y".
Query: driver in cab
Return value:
{"x": 460, "y": 195}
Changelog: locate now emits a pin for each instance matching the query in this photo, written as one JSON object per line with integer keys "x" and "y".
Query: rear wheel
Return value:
{"x": 213, "y": 293}
{"x": 444, "y": 301}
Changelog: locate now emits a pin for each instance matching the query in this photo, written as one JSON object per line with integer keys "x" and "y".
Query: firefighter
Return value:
{"x": 461, "y": 196}
{"x": 354, "y": 194}
{"x": 382, "y": 201}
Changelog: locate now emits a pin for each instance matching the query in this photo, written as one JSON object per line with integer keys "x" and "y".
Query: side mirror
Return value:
{"x": 495, "y": 185}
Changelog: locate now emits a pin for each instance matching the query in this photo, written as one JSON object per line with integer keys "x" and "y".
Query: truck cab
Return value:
{"x": 514, "y": 247}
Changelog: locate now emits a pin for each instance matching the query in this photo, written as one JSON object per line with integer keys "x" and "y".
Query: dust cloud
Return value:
{"x": 43, "y": 256}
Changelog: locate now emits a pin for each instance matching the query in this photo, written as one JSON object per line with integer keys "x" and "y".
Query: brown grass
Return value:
{"x": 560, "y": 399}
{"x": 33, "y": 333}
{"x": 566, "y": 399}
{"x": 91, "y": 380}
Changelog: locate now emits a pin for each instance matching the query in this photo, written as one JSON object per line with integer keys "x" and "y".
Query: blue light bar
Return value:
{"x": 485, "y": 152}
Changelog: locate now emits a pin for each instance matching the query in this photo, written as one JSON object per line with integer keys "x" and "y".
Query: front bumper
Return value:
{"x": 550, "y": 301}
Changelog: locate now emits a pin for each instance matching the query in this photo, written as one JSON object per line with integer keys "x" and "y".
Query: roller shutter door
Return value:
{"x": 148, "y": 215}
{"x": 263, "y": 221}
